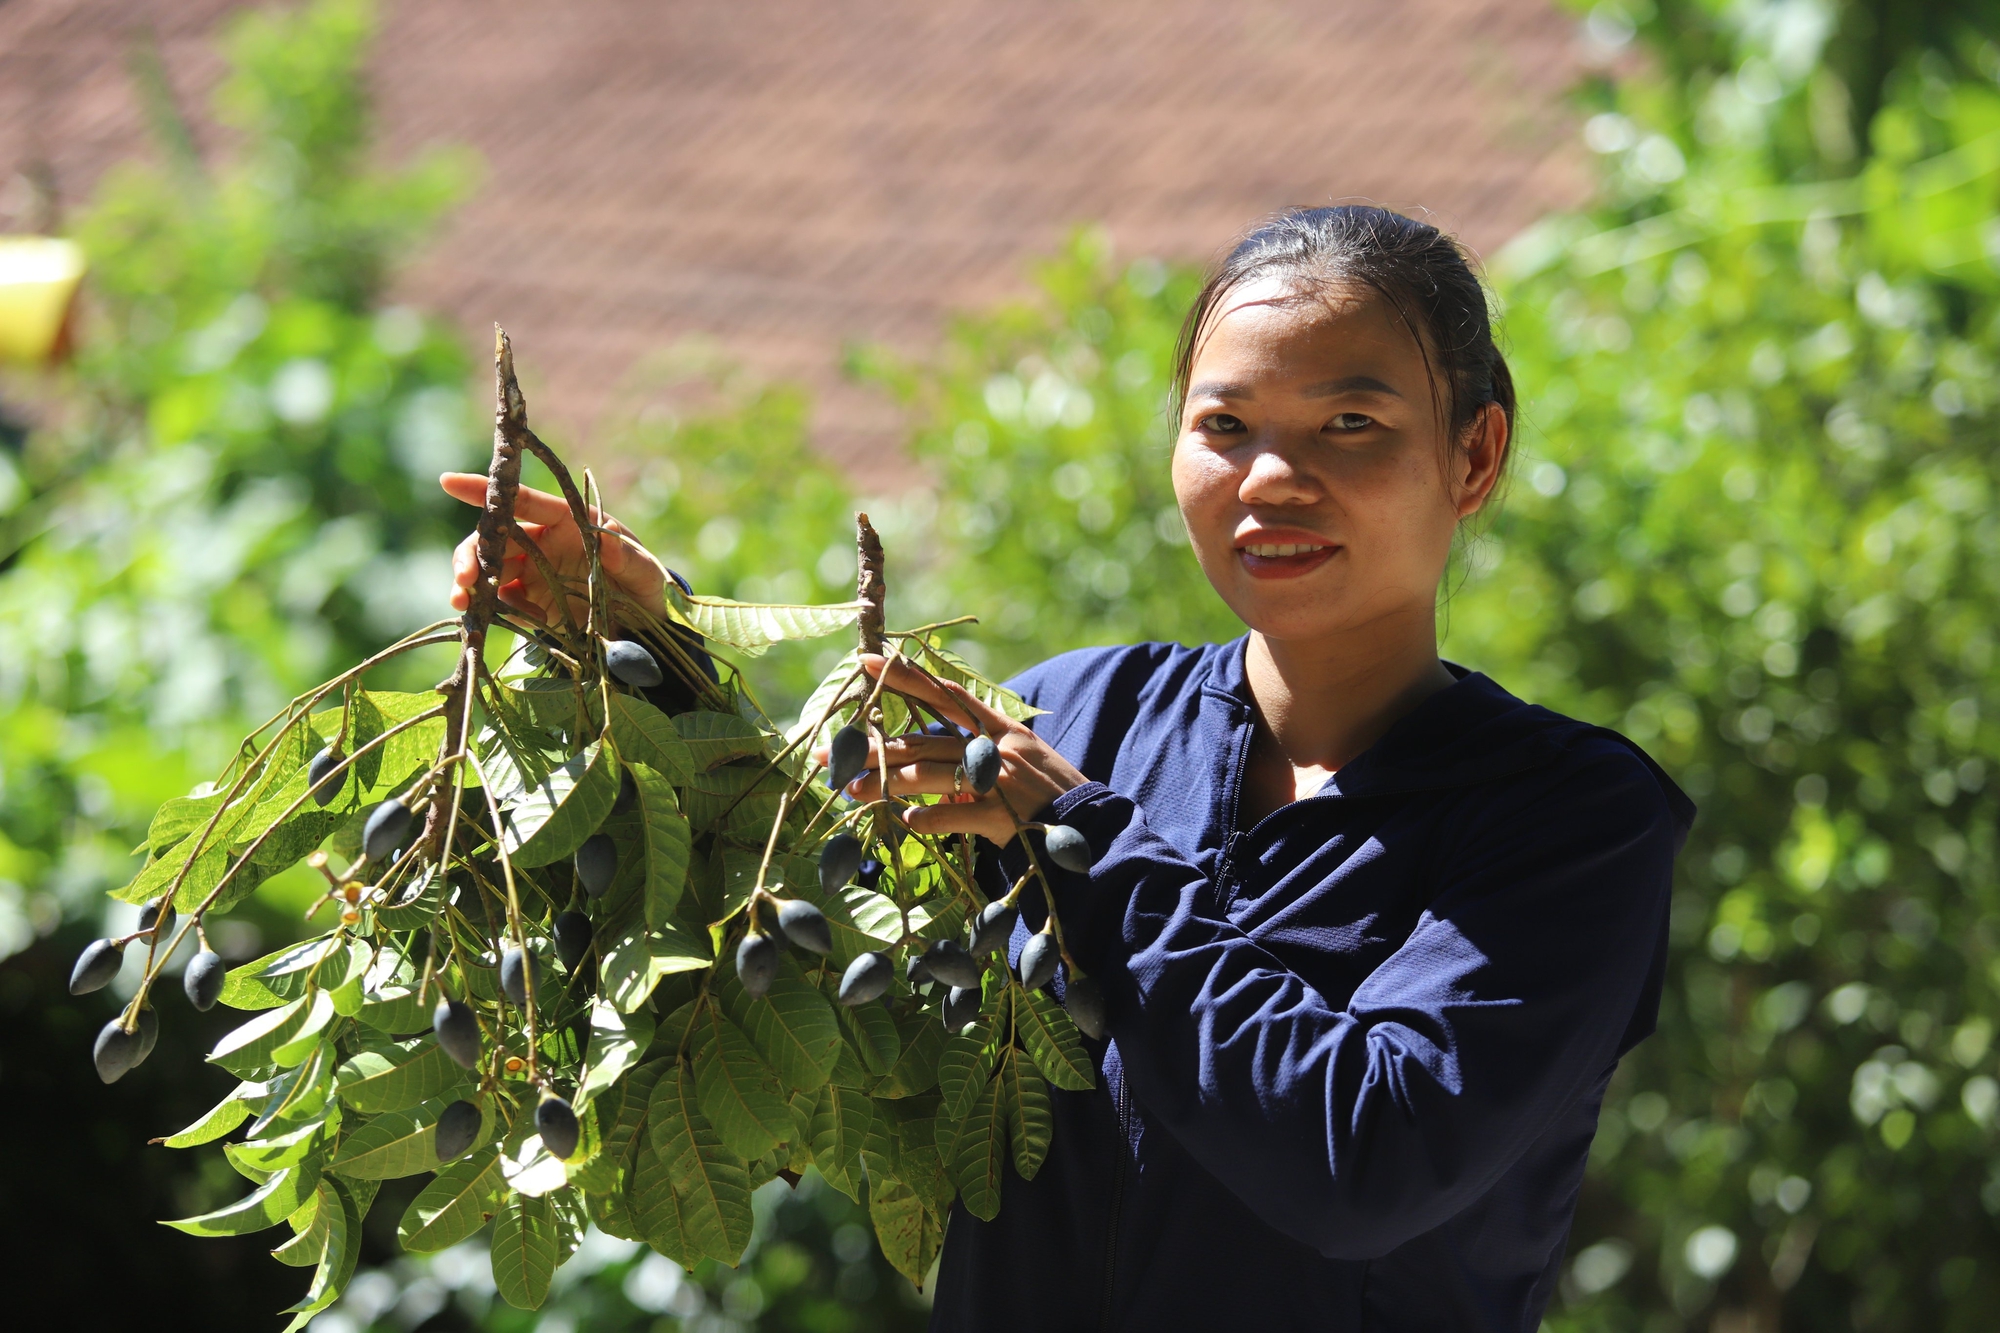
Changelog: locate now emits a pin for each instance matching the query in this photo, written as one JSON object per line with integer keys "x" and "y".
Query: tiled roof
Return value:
{"x": 786, "y": 175}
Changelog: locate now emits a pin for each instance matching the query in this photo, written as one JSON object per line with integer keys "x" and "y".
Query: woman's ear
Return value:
{"x": 1477, "y": 464}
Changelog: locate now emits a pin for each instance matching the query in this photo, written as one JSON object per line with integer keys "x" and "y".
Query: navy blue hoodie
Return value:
{"x": 1356, "y": 1052}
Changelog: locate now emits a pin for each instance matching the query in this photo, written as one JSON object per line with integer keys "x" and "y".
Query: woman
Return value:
{"x": 1373, "y": 933}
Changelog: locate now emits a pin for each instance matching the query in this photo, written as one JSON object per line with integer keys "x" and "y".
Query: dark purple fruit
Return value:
{"x": 1039, "y": 957}
{"x": 628, "y": 792}
{"x": 756, "y": 963}
{"x": 95, "y": 967}
{"x": 556, "y": 1122}
{"x": 319, "y": 771}
{"x": 805, "y": 926}
{"x": 573, "y": 933}
{"x": 1085, "y": 1003}
{"x": 149, "y": 916}
{"x": 982, "y": 764}
{"x": 117, "y": 1050}
{"x": 866, "y": 978}
{"x": 846, "y": 757}
{"x": 993, "y": 927}
{"x": 1067, "y": 848}
{"x": 388, "y": 828}
{"x": 514, "y": 969}
{"x": 149, "y": 1032}
{"x": 203, "y": 980}
{"x": 839, "y": 860}
{"x": 870, "y": 874}
{"x": 596, "y": 863}
{"x": 457, "y": 1129}
{"x": 631, "y": 664}
{"x": 457, "y": 1029}
{"x": 950, "y": 963}
{"x": 916, "y": 971}
{"x": 961, "y": 1006}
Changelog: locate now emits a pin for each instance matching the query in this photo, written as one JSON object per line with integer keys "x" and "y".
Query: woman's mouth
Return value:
{"x": 1283, "y": 560}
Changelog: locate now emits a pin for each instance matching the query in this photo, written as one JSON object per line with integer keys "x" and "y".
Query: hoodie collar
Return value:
{"x": 1470, "y": 731}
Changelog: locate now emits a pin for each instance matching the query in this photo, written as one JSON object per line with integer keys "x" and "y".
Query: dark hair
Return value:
{"x": 1422, "y": 273}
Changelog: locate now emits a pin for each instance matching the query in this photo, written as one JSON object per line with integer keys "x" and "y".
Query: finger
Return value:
{"x": 516, "y": 596}
{"x": 469, "y": 487}
{"x": 911, "y": 749}
{"x": 465, "y": 562}
{"x": 924, "y": 779}
{"x": 906, "y": 678}
{"x": 988, "y": 720}
{"x": 984, "y": 815}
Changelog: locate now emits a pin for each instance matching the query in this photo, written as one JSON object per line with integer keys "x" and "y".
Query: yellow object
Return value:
{"x": 38, "y": 281}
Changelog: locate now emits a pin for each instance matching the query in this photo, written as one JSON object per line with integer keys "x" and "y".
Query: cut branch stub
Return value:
{"x": 869, "y": 586}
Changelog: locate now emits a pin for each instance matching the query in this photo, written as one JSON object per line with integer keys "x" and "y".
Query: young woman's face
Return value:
{"x": 1312, "y": 469}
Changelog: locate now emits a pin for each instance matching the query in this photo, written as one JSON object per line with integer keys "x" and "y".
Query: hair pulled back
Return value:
{"x": 1422, "y": 273}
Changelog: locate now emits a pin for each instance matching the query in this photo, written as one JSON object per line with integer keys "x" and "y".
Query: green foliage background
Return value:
{"x": 1751, "y": 524}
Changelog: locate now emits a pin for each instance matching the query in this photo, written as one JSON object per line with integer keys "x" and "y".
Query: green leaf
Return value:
{"x": 454, "y": 1205}
{"x": 709, "y": 1184}
{"x": 338, "y": 1222}
{"x": 390, "y": 1146}
{"x": 227, "y": 1114}
{"x": 872, "y": 1029}
{"x": 666, "y": 842}
{"x": 1029, "y": 1123}
{"x": 524, "y": 1250}
{"x": 752, "y": 627}
{"x": 636, "y": 960}
{"x": 622, "y": 1117}
{"x": 916, "y": 1069}
{"x": 645, "y": 735}
{"x": 304, "y": 1249}
{"x": 974, "y": 1149}
{"x": 417, "y": 903}
{"x": 248, "y": 1048}
{"x": 792, "y": 1026}
{"x": 1054, "y": 1042}
{"x": 968, "y": 1060}
{"x": 654, "y": 1208}
{"x": 271, "y": 1203}
{"x": 820, "y": 702}
{"x": 947, "y": 665}
{"x": 862, "y": 921}
{"x": 260, "y": 1157}
{"x": 714, "y": 739}
{"x": 276, "y": 977}
{"x": 301, "y": 1042}
{"x": 739, "y": 1093}
{"x": 911, "y": 1237}
{"x": 179, "y": 817}
{"x": 395, "y": 1076}
{"x": 552, "y": 818}
{"x": 616, "y": 1043}
{"x": 840, "y": 1124}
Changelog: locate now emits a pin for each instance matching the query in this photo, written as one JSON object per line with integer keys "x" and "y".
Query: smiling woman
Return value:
{"x": 1371, "y": 933}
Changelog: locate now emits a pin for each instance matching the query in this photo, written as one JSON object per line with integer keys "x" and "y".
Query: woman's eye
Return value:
{"x": 1352, "y": 421}
{"x": 1219, "y": 423}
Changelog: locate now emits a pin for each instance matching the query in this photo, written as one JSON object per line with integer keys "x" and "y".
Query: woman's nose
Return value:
{"x": 1274, "y": 478}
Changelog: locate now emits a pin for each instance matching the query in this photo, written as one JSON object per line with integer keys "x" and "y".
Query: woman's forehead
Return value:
{"x": 1273, "y": 319}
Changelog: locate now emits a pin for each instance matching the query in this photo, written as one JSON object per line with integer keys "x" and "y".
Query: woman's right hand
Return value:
{"x": 547, "y": 521}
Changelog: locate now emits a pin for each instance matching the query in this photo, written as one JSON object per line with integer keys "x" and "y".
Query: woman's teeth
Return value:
{"x": 1270, "y": 551}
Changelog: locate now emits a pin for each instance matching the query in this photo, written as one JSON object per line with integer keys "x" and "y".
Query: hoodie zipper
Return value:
{"x": 1107, "y": 1309}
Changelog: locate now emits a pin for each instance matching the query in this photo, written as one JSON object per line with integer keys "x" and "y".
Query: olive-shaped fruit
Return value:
{"x": 457, "y": 1029}
{"x": 1067, "y": 848}
{"x": 866, "y": 978}
{"x": 839, "y": 860}
{"x": 317, "y": 774}
{"x": 846, "y": 757}
{"x": 573, "y": 933}
{"x": 116, "y": 1050}
{"x": 756, "y": 963}
{"x": 387, "y": 829}
{"x": 632, "y": 664}
{"x": 1085, "y": 1003}
{"x": 457, "y": 1129}
{"x": 950, "y": 963}
{"x": 1039, "y": 957}
{"x": 961, "y": 1006}
{"x": 628, "y": 792}
{"x": 556, "y": 1122}
{"x": 982, "y": 763}
{"x": 149, "y": 917}
{"x": 203, "y": 980}
{"x": 149, "y": 1032}
{"x": 596, "y": 863}
{"x": 993, "y": 927}
{"x": 514, "y": 975}
{"x": 870, "y": 874}
{"x": 916, "y": 971}
{"x": 805, "y": 926}
{"x": 96, "y": 965}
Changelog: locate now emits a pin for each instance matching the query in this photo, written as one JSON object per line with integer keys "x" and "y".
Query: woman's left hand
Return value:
{"x": 1031, "y": 773}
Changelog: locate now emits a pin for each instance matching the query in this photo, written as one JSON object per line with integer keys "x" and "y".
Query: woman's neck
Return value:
{"x": 1323, "y": 701}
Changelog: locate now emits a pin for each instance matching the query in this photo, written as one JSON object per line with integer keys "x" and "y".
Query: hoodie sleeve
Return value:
{"x": 1354, "y": 1129}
